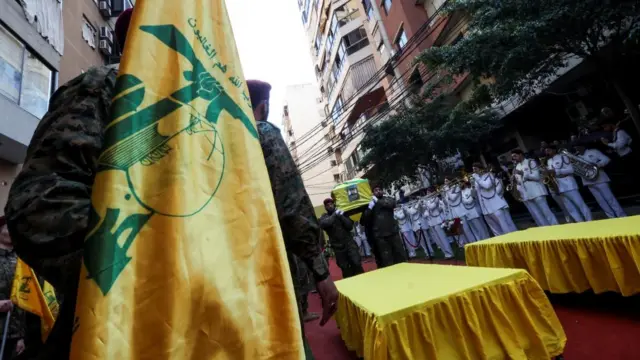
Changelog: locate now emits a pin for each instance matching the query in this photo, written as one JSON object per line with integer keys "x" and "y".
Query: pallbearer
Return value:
{"x": 338, "y": 227}
{"x": 599, "y": 186}
{"x": 533, "y": 192}
{"x": 561, "y": 167}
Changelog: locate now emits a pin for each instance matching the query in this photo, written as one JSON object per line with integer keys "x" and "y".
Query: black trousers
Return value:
{"x": 9, "y": 348}
{"x": 391, "y": 250}
{"x": 348, "y": 259}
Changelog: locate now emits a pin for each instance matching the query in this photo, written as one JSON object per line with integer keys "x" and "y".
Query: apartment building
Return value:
{"x": 89, "y": 39}
{"x": 348, "y": 75}
{"x": 42, "y": 45}
{"x": 302, "y": 116}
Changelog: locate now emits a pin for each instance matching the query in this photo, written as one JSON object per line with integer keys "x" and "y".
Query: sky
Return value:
{"x": 273, "y": 46}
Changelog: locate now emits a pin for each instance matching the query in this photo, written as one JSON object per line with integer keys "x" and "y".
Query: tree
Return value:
{"x": 432, "y": 126}
{"x": 522, "y": 44}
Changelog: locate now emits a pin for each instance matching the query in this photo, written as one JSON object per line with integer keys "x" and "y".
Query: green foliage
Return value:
{"x": 523, "y": 43}
{"x": 416, "y": 134}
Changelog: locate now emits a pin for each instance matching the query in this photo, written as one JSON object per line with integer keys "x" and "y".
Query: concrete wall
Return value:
{"x": 305, "y": 113}
{"x": 78, "y": 55}
{"x": 8, "y": 172}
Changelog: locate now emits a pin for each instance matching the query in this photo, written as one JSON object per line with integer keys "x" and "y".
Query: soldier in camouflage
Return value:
{"x": 339, "y": 229}
{"x": 385, "y": 229}
{"x": 300, "y": 229}
{"x": 16, "y": 331}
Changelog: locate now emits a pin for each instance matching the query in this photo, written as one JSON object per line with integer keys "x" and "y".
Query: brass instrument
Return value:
{"x": 581, "y": 167}
{"x": 513, "y": 188}
{"x": 548, "y": 176}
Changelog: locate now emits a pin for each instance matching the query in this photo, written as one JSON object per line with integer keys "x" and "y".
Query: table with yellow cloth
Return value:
{"x": 421, "y": 311}
{"x": 599, "y": 255}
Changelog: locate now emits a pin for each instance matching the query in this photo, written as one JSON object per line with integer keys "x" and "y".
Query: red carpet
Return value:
{"x": 597, "y": 327}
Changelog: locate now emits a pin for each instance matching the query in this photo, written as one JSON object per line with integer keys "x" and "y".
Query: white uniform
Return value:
{"x": 621, "y": 143}
{"x": 457, "y": 210}
{"x": 361, "y": 240}
{"x": 406, "y": 229}
{"x": 494, "y": 208}
{"x": 599, "y": 186}
{"x": 534, "y": 193}
{"x": 435, "y": 213}
{"x": 568, "y": 188}
{"x": 474, "y": 215}
{"x": 422, "y": 236}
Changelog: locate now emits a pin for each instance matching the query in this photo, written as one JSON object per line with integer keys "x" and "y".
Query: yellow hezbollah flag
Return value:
{"x": 184, "y": 258}
{"x": 27, "y": 295}
{"x": 53, "y": 305}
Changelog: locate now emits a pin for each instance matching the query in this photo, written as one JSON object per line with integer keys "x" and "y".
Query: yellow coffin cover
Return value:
{"x": 184, "y": 258}
{"x": 352, "y": 194}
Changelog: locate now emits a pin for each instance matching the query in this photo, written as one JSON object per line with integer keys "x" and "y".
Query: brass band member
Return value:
{"x": 567, "y": 186}
{"x": 494, "y": 208}
{"x": 533, "y": 193}
{"x": 599, "y": 186}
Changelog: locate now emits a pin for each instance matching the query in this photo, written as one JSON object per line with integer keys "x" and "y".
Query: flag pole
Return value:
{"x": 4, "y": 334}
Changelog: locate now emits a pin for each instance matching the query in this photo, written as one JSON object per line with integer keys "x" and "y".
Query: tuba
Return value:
{"x": 581, "y": 167}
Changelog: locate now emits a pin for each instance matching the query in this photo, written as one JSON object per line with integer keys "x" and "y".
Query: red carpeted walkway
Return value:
{"x": 597, "y": 327}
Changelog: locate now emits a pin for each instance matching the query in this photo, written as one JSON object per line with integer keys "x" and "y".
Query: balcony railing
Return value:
{"x": 348, "y": 18}
{"x": 359, "y": 74}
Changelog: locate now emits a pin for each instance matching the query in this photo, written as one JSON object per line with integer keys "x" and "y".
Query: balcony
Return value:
{"x": 358, "y": 76}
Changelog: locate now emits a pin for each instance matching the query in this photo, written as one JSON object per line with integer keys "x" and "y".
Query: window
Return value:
{"x": 24, "y": 79}
{"x": 306, "y": 9}
{"x": 336, "y": 178}
{"x": 338, "y": 64}
{"x": 386, "y": 4}
{"x": 331, "y": 36}
{"x": 337, "y": 111}
{"x": 347, "y": 13}
{"x": 381, "y": 48}
{"x": 317, "y": 43}
{"x": 401, "y": 40}
{"x": 368, "y": 8}
{"x": 356, "y": 40}
{"x": 89, "y": 33}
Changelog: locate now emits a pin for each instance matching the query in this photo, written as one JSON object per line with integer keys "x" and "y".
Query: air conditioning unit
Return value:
{"x": 105, "y": 8}
{"x": 106, "y": 34}
{"x": 105, "y": 47}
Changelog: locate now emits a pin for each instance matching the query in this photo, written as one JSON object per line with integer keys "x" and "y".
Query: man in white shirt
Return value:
{"x": 532, "y": 190}
{"x": 490, "y": 196}
{"x": 406, "y": 230}
{"x": 599, "y": 186}
{"x": 561, "y": 166}
{"x": 621, "y": 142}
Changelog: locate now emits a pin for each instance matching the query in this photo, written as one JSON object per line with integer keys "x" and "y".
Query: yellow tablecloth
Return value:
{"x": 420, "y": 311}
{"x": 599, "y": 255}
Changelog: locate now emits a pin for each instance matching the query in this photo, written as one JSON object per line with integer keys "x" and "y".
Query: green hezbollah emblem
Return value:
{"x": 136, "y": 144}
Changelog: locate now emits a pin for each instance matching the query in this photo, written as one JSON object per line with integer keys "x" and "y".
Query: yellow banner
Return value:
{"x": 184, "y": 259}
{"x": 27, "y": 294}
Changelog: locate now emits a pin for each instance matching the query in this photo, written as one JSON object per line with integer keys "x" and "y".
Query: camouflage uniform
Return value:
{"x": 300, "y": 229}
{"x": 8, "y": 261}
{"x": 347, "y": 253}
{"x": 48, "y": 207}
{"x": 385, "y": 233}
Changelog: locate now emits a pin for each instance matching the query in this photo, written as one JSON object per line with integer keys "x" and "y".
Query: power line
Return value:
{"x": 318, "y": 155}
{"x": 412, "y": 42}
{"x": 363, "y": 128}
